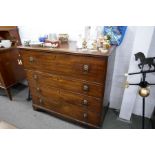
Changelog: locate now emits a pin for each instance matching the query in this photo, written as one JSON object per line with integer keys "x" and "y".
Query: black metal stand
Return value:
{"x": 143, "y": 117}
{"x": 143, "y": 83}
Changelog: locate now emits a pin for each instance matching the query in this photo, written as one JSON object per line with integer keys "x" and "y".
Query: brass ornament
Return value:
{"x": 144, "y": 92}
{"x": 126, "y": 74}
{"x": 84, "y": 44}
{"x": 126, "y": 85}
{"x": 94, "y": 44}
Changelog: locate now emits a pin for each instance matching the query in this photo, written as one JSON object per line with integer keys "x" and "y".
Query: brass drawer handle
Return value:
{"x": 85, "y": 115}
{"x": 40, "y": 101}
{"x": 86, "y": 87}
{"x": 85, "y": 102}
{"x": 35, "y": 77}
{"x": 31, "y": 59}
{"x": 85, "y": 68}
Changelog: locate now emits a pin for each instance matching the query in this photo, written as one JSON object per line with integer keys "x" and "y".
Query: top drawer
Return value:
{"x": 78, "y": 66}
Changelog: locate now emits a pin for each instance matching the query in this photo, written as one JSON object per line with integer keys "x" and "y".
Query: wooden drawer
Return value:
{"x": 61, "y": 96}
{"x": 68, "y": 110}
{"x": 70, "y": 84}
{"x": 83, "y": 67}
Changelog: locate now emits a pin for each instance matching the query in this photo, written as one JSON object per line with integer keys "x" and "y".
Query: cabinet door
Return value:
{"x": 17, "y": 65}
{"x": 11, "y": 68}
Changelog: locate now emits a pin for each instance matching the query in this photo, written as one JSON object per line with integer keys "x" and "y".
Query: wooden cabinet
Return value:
{"x": 66, "y": 82}
{"x": 11, "y": 68}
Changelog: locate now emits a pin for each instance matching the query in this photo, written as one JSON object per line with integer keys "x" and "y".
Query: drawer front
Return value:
{"x": 1, "y": 81}
{"x": 70, "y": 84}
{"x": 82, "y": 67}
{"x": 62, "y": 96}
{"x": 68, "y": 110}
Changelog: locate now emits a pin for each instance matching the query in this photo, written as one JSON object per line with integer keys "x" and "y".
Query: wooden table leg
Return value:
{"x": 8, "y": 92}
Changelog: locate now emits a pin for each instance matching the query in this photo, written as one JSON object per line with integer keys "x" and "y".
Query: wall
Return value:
{"x": 150, "y": 101}
{"x": 123, "y": 54}
{"x": 33, "y": 32}
{"x": 127, "y": 100}
{"x": 131, "y": 102}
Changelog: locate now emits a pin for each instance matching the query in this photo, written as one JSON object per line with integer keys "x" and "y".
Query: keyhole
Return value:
{"x": 19, "y": 62}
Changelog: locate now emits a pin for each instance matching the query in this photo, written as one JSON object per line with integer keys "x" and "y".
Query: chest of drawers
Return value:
{"x": 67, "y": 83}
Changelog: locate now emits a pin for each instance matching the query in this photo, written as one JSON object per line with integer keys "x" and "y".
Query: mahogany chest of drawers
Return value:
{"x": 67, "y": 83}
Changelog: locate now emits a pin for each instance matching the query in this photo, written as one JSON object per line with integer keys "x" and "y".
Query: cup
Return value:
{"x": 52, "y": 37}
{"x": 6, "y": 43}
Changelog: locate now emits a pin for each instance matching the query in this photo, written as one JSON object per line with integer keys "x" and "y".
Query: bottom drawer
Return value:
{"x": 69, "y": 111}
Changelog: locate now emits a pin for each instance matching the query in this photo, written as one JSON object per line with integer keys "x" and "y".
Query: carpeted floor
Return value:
{"x": 20, "y": 114}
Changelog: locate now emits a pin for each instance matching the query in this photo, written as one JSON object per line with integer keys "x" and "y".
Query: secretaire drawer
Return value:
{"x": 68, "y": 110}
{"x": 61, "y": 96}
{"x": 66, "y": 83}
{"x": 83, "y": 67}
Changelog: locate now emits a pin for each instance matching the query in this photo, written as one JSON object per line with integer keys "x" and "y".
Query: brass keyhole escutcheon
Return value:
{"x": 31, "y": 59}
{"x": 85, "y": 102}
{"x": 85, "y": 115}
{"x": 38, "y": 89}
{"x": 40, "y": 101}
{"x": 35, "y": 77}
{"x": 19, "y": 62}
{"x": 85, "y": 87}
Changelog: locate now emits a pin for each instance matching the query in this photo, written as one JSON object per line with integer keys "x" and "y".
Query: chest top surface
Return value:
{"x": 69, "y": 48}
